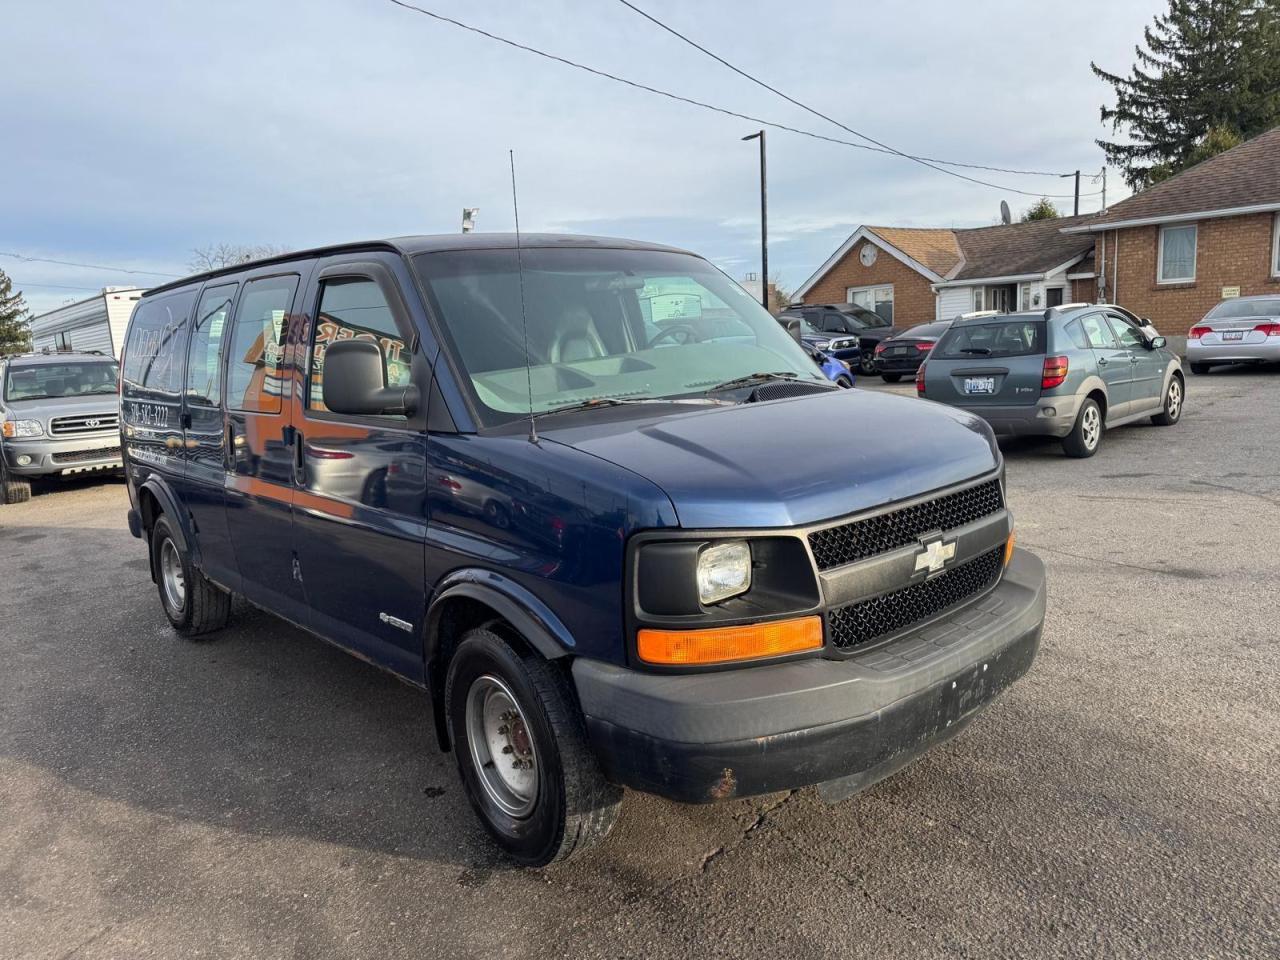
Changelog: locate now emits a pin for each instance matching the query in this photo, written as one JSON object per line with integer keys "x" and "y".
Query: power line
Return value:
{"x": 930, "y": 162}
{"x": 89, "y": 266}
{"x": 51, "y": 286}
{"x": 708, "y": 106}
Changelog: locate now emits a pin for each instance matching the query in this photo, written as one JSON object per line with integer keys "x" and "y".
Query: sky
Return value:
{"x": 132, "y": 133}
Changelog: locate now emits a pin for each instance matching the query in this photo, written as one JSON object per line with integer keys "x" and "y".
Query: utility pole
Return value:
{"x": 764, "y": 223}
{"x": 469, "y": 218}
{"x": 1104, "y": 186}
{"x": 1076, "y": 213}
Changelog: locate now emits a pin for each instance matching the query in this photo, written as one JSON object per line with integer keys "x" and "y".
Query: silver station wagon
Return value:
{"x": 1240, "y": 330}
{"x": 1070, "y": 372}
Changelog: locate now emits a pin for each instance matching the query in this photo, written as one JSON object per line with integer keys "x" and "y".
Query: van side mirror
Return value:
{"x": 354, "y": 382}
{"x": 1156, "y": 343}
{"x": 793, "y": 327}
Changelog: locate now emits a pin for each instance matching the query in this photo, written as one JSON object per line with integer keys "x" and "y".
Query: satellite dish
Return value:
{"x": 1005, "y": 215}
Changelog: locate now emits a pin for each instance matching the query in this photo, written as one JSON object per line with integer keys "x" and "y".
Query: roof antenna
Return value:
{"x": 524, "y": 320}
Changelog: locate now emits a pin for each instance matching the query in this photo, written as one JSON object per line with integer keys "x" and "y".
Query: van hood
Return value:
{"x": 791, "y": 462}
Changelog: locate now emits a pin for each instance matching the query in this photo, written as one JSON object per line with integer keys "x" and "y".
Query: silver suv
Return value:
{"x": 59, "y": 414}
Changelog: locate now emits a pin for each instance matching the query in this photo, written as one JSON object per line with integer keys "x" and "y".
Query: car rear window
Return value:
{"x": 997, "y": 338}
{"x": 1229, "y": 309}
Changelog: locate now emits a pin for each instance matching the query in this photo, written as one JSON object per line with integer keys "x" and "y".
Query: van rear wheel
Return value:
{"x": 521, "y": 748}
{"x": 194, "y": 604}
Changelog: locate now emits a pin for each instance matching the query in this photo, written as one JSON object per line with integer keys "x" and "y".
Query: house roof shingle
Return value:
{"x": 936, "y": 249}
{"x": 1244, "y": 176}
{"x": 1016, "y": 249}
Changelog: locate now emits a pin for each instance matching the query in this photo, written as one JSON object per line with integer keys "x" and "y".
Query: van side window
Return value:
{"x": 355, "y": 309}
{"x": 1097, "y": 331}
{"x": 255, "y": 363}
{"x": 205, "y": 353}
{"x": 156, "y": 348}
{"x": 1125, "y": 332}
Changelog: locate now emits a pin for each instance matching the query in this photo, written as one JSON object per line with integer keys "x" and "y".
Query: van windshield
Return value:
{"x": 1009, "y": 337}
{"x": 48, "y": 381}
{"x": 601, "y": 324}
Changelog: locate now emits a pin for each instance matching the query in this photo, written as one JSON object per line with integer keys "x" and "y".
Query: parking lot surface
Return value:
{"x": 264, "y": 795}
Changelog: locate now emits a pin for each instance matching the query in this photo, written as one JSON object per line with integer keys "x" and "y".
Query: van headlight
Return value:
{"x": 16, "y": 429}
{"x": 723, "y": 571}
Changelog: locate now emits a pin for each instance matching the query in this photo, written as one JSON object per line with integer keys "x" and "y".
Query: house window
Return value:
{"x": 977, "y": 298}
{"x": 1275, "y": 248}
{"x": 878, "y": 299}
{"x": 1177, "y": 263}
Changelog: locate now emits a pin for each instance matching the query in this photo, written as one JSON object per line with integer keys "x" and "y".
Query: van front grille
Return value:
{"x": 83, "y": 423}
{"x": 860, "y": 539}
{"x": 860, "y": 623}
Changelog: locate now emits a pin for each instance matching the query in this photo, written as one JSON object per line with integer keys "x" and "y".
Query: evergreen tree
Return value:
{"x": 15, "y": 330}
{"x": 1208, "y": 78}
{"x": 1042, "y": 209}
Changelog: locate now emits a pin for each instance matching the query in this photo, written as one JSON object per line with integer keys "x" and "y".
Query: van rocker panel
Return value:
{"x": 699, "y": 738}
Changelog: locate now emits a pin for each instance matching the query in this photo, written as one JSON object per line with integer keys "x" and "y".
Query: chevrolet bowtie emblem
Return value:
{"x": 935, "y": 556}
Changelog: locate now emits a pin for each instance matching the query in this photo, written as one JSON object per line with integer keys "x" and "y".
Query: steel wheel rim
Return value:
{"x": 1175, "y": 399}
{"x": 1092, "y": 427}
{"x": 172, "y": 577}
{"x": 502, "y": 750}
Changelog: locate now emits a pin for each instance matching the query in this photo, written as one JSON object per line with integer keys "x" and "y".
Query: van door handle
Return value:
{"x": 1133, "y": 360}
{"x": 231, "y": 442}
{"x": 299, "y": 461}
{"x": 1103, "y": 361}
{"x": 184, "y": 420}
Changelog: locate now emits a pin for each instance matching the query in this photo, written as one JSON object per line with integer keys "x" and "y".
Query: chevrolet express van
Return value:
{"x": 581, "y": 492}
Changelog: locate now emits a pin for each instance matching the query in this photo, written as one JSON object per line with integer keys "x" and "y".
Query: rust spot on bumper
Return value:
{"x": 725, "y": 787}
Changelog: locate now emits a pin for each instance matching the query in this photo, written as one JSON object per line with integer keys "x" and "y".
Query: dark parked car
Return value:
{"x": 584, "y": 493}
{"x": 1070, "y": 372}
{"x": 849, "y": 320}
{"x": 901, "y": 355}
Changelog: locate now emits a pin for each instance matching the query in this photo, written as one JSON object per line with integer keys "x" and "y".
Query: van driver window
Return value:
{"x": 355, "y": 309}
{"x": 255, "y": 361}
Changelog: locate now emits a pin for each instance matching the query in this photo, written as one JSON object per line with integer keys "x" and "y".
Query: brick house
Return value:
{"x": 1209, "y": 233}
{"x": 912, "y": 275}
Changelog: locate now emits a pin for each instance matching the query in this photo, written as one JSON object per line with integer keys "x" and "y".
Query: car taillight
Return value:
{"x": 1269, "y": 329}
{"x": 1054, "y": 372}
{"x": 924, "y": 347}
{"x": 1195, "y": 333}
{"x": 920, "y": 381}
{"x": 880, "y": 347}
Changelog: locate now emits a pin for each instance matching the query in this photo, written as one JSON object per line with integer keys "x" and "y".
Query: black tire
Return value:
{"x": 13, "y": 489}
{"x": 1199, "y": 369}
{"x": 204, "y": 606}
{"x": 844, "y": 381}
{"x": 573, "y": 806}
{"x": 1175, "y": 398}
{"x": 1086, "y": 435}
{"x": 891, "y": 377}
{"x": 867, "y": 363}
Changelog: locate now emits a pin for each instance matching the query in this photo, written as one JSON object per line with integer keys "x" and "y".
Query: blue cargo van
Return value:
{"x": 581, "y": 491}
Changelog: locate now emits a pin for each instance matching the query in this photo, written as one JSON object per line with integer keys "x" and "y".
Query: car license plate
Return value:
{"x": 1233, "y": 335}
{"x": 980, "y": 385}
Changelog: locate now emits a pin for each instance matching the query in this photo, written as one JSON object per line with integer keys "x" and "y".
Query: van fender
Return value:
{"x": 517, "y": 605}
{"x": 168, "y": 501}
{"x": 1091, "y": 383}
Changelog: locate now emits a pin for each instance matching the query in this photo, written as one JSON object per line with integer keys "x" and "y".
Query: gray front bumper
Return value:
{"x": 63, "y": 455}
{"x": 708, "y": 736}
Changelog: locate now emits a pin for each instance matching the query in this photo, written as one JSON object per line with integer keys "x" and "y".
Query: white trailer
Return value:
{"x": 97, "y": 323}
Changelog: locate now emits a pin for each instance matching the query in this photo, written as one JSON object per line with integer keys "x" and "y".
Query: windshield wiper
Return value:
{"x": 600, "y": 402}
{"x": 983, "y": 350}
{"x": 753, "y": 378}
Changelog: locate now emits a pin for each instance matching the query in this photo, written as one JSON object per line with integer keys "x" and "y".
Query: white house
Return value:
{"x": 97, "y": 323}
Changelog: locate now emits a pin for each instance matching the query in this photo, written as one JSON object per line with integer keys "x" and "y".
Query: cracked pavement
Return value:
{"x": 266, "y": 796}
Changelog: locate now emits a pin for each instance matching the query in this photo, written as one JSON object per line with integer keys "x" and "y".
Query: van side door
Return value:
{"x": 204, "y": 432}
{"x": 1146, "y": 367}
{"x": 360, "y": 515}
{"x": 258, "y": 472}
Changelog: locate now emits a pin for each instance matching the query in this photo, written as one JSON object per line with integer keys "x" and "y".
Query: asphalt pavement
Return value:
{"x": 264, "y": 795}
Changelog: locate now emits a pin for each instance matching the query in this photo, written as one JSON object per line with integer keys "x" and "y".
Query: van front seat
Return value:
{"x": 576, "y": 338}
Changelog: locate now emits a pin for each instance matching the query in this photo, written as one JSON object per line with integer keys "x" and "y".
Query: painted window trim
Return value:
{"x": 1275, "y": 246}
{"x": 848, "y": 291}
{"x": 1195, "y": 253}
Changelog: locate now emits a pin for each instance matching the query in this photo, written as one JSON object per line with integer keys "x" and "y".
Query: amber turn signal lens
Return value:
{"x": 1008, "y": 547}
{"x": 680, "y": 648}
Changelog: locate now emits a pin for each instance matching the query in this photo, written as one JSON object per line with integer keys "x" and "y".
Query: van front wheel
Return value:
{"x": 194, "y": 604}
{"x": 522, "y": 752}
